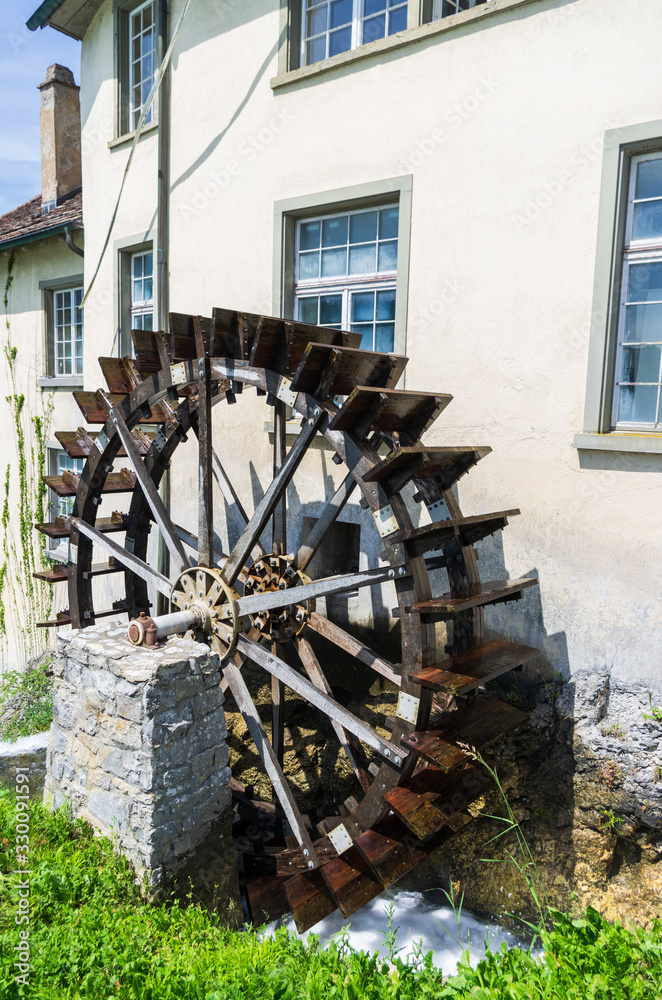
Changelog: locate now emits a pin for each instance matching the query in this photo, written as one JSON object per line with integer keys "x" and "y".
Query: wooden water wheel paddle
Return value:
{"x": 260, "y": 604}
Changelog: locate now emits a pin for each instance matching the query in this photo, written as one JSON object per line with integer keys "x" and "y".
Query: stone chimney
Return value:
{"x": 60, "y": 136}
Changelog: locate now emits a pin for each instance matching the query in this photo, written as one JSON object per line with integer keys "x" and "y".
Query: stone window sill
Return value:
{"x": 60, "y": 382}
{"x": 643, "y": 444}
{"x": 128, "y": 137}
{"x": 408, "y": 37}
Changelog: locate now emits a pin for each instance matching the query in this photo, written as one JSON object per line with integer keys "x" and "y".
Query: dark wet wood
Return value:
{"x": 465, "y": 672}
{"x": 309, "y": 899}
{"x": 331, "y": 371}
{"x": 349, "y": 882}
{"x": 205, "y": 475}
{"x": 292, "y": 861}
{"x": 66, "y": 485}
{"x": 477, "y": 726}
{"x": 266, "y": 899}
{"x": 395, "y": 411}
{"x": 79, "y": 443}
{"x": 431, "y": 798}
{"x": 279, "y": 345}
{"x": 389, "y": 853}
{"x": 57, "y": 574}
{"x": 65, "y": 619}
{"x": 354, "y": 647}
{"x": 446, "y": 465}
{"x": 492, "y": 592}
{"x": 468, "y": 531}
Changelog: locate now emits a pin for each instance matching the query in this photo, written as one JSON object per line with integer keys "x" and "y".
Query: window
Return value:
{"x": 142, "y": 290}
{"x": 136, "y": 61}
{"x": 68, "y": 332}
{"x": 333, "y": 26}
{"x": 345, "y": 273}
{"x": 637, "y": 402}
{"x": 445, "y": 8}
{"x": 59, "y": 462}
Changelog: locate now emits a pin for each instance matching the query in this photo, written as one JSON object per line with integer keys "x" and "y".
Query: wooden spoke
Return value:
{"x": 205, "y": 498}
{"x": 234, "y": 503}
{"x": 127, "y": 559}
{"x": 146, "y": 484}
{"x": 280, "y": 513}
{"x": 354, "y": 647}
{"x": 277, "y": 668}
{"x": 325, "y": 520}
{"x": 328, "y": 586}
{"x": 247, "y": 708}
{"x": 347, "y": 741}
{"x": 266, "y": 507}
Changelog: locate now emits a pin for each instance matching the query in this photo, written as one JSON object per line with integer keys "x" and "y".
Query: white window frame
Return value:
{"x": 141, "y": 308}
{"x": 635, "y": 252}
{"x": 347, "y": 285}
{"x": 75, "y": 361}
{"x": 136, "y": 80}
{"x": 438, "y": 6}
{"x": 357, "y": 26}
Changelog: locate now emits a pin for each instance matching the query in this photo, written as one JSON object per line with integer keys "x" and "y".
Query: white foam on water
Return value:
{"x": 418, "y": 916}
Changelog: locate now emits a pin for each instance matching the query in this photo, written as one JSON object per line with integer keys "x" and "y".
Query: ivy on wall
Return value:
{"x": 24, "y": 601}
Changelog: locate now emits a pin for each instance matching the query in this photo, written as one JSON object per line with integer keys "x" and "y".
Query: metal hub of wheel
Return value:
{"x": 274, "y": 573}
{"x": 410, "y": 784}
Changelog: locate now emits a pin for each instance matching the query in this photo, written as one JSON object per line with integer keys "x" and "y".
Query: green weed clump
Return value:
{"x": 93, "y": 935}
{"x": 26, "y": 701}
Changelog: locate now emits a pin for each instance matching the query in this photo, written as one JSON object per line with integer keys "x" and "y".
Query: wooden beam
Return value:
{"x": 205, "y": 498}
{"x": 325, "y": 520}
{"x": 354, "y": 647}
{"x": 247, "y": 708}
{"x": 272, "y": 664}
{"x": 128, "y": 560}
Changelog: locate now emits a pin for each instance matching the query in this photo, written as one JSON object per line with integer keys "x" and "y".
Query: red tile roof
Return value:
{"x": 27, "y": 220}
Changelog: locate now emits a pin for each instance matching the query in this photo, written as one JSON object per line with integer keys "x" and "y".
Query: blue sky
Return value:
{"x": 24, "y": 58}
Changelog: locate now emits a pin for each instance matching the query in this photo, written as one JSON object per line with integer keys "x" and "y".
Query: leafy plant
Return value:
{"x": 610, "y": 774}
{"x": 655, "y": 713}
{"x": 615, "y": 730}
{"x": 26, "y": 701}
{"x": 611, "y": 821}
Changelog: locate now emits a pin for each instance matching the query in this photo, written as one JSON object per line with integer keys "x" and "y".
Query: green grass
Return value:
{"x": 27, "y": 698}
{"x": 93, "y": 936}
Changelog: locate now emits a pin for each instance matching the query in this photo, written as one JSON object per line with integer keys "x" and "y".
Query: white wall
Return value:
{"x": 486, "y": 119}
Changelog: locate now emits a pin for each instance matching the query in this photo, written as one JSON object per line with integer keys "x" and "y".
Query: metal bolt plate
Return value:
{"x": 101, "y": 441}
{"x": 340, "y": 838}
{"x": 284, "y": 392}
{"x": 385, "y": 520}
{"x": 178, "y": 374}
{"x": 73, "y": 553}
{"x": 439, "y": 511}
{"x": 407, "y": 708}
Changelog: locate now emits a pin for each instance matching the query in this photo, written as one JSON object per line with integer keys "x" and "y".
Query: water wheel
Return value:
{"x": 259, "y": 605}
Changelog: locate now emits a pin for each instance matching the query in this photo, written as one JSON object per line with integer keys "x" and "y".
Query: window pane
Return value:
{"x": 362, "y": 260}
{"x": 645, "y": 283}
{"x": 397, "y": 20}
{"x": 637, "y": 404}
{"x": 147, "y": 16}
{"x": 308, "y": 310}
{"x": 647, "y": 220}
{"x": 374, "y": 28}
{"x": 334, "y": 263}
{"x": 643, "y": 323}
{"x": 386, "y": 305}
{"x": 147, "y": 292}
{"x": 330, "y": 309}
{"x": 334, "y": 232}
{"x": 374, "y": 7}
{"x": 384, "y": 336}
{"x": 138, "y": 266}
{"x": 363, "y": 227}
{"x": 363, "y": 307}
{"x": 388, "y": 256}
{"x": 316, "y": 50}
{"x": 148, "y": 321}
{"x": 309, "y": 265}
{"x": 641, "y": 364}
{"x": 366, "y": 331}
{"x": 317, "y": 21}
{"x": 309, "y": 235}
{"x": 340, "y": 41}
{"x": 649, "y": 179}
{"x": 341, "y": 13}
{"x": 388, "y": 223}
